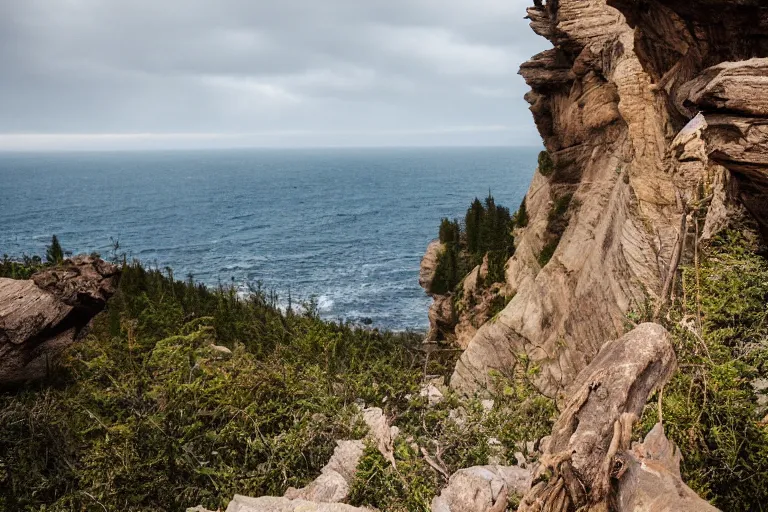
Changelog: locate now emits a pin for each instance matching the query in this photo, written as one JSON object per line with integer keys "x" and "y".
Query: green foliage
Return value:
{"x": 497, "y": 261}
{"x": 546, "y": 166}
{"x": 408, "y": 488}
{"x": 557, "y": 222}
{"x": 710, "y": 407}
{"x": 473, "y": 222}
{"x": 54, "y": 253}
{"x": 449, "y": 231}
{"x": 487, "y": 230}
{"x": 520, "y": 218}
{"x": 149, "y": 412}
{"x": 559, "y": 207}
{"x": 145, "y": 414}
{"x": 455, "y": 435}
{"x": 451, "y": 268}
{"x": 494, "y": 230}
{"x": 461, "y": 427}
{"x": 22, "y": 269}
{"x": 547, "y": 252}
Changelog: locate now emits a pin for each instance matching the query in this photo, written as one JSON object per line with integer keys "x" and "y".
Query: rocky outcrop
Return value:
{"x": 332, "y": 486}
{"x": 588, "y": 455}
{"x": 482, "y": 489}
{"x": 442, "y": 316}
{"x": 40, "y": 317}
{"x": 428, "y": 265}
{"x": 455, "y": 316}
{"x": 273, "y": 504}
{"x": 654, "y": 117}
{"x": 650, "y": 479}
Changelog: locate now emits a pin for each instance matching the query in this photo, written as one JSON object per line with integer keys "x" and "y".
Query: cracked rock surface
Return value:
{"x": 41, "y": 316}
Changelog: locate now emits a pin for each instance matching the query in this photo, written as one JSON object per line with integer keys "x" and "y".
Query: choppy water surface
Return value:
{"x": 347, "y": 226}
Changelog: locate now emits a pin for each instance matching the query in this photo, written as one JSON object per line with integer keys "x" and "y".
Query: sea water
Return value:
{"x": 346, "y": 227}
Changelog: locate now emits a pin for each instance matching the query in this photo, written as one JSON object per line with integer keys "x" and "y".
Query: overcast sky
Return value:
{"x": 116, "y": 74}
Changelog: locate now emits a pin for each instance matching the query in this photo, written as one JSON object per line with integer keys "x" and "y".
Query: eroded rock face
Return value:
{"x": 588, "y": 455}
{"x": 429, "y": 265}
{"x": 42, "y": 316}
{"x": 455, "y": 316}
{"x": 649, "y": 110}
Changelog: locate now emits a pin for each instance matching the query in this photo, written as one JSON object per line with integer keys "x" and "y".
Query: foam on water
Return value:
{"x": 348, "y": 227}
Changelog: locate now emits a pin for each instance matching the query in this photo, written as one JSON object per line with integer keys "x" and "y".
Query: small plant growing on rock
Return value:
{"x": 546, "y": 165}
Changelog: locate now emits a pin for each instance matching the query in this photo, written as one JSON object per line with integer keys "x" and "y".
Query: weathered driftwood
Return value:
{"x": 39, "y": 317}
{"x": 586, "y": 464}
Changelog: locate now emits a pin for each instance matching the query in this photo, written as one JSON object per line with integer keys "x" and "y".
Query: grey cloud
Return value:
{"x": 289, "y": 72}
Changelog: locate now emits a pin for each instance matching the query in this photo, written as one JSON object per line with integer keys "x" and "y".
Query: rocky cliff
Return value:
{"x": 655, "y": 121}
{"x": 40, "y": 317}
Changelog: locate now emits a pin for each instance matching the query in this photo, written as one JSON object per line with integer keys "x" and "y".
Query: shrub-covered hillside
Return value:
{"x": 182, "y": 395}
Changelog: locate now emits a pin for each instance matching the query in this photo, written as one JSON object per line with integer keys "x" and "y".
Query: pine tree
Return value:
{"x": 54, "y": 253}
{"x": 472, "y": 222}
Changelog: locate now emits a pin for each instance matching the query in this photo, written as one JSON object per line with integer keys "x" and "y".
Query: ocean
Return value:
{"x": 347, "y": 227}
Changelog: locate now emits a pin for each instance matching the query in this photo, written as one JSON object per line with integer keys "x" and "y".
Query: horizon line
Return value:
{"x": 7, "y": 151}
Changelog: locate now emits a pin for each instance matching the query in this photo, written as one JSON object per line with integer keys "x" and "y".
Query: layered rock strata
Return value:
{"x": 653, "y": 114}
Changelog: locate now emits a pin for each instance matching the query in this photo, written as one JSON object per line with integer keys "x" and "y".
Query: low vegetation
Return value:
{"x": 546, "y": 166}
{"x": 183, "y": 395}
{"x": 713, "y": 408}
{"x": 557, "y": 222}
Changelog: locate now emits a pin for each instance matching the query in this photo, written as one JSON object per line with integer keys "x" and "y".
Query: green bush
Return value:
{"x": 547, "y": 252}
{"x": 710, "y": 407}
{"x": 497, "y": 261}
{"x": 450, "y": 231}
{"x": 450, "y": 270}
{"x": 557, "y": 222}
{"x": 22, "y": 269}
{"x": 546, "y": 166}
{"x": 54, "y": 253}
{"x": 520, "y": 219}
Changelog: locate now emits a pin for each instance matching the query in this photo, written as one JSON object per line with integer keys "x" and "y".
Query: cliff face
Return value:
{"x": 650, "y": 110}
{"x": 41, "y": 316}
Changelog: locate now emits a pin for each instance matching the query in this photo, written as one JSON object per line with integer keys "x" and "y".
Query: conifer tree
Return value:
{"x": 472, "y": 222}
{"x": 54, "y": 253}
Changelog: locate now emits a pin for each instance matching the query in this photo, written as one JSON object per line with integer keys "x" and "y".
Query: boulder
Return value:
{"x": 273, "y": 504}
{"x": 651, "y": 480}
{"x": 429, "y": 265}
{"x": 482, "y": 489}
{"x": 332, "y": 486}
{"x": 40, "y": 317}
